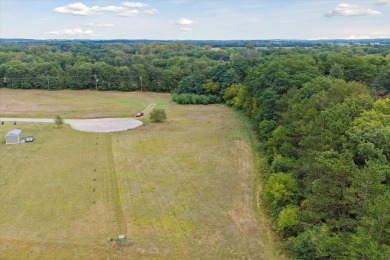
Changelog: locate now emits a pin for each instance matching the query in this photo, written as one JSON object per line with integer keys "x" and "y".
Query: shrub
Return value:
{"x": 158, "y": 115}
{"x": 189, "y": 98}
{"x": 58, "y": 120}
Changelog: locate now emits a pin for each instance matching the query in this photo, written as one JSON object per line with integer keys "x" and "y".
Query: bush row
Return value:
{"x": 196, "y": 99}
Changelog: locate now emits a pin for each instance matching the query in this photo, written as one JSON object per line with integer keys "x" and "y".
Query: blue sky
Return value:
{"x": 194, "y": 19}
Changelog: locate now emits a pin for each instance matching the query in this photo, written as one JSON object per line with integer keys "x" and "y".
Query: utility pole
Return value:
{"x": 96, "y": 81}
{"x": 140, "y": 78}
{"x": 48, "y": 82}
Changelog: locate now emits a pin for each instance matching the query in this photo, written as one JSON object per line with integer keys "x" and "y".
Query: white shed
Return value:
{"x": 14, "y": 136}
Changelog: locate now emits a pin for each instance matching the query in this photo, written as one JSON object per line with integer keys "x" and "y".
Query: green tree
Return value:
{"x": 265, "y": 129}
{"x": 210, "y": 86}
{"x": 369, "y": 136}
{"x": 285, "y": 72}
{"x": 363, "y": 246}
{"x": 80, "y": 76}
{"x": 288, "y": 220}
{"x": 304, "y": 245}
{"x": 250, "y": 46}
{"x": 328, "y": 201}
{"x": 319, "y": 242}
{"x": 234, "y": 95}
{"x": 106, "y": 78}
{"x": 230, "y": 77}
{"x": 382, "y": 81}
{"x": 280, "y": 191}
{"x": 329, "y": 244}
{"x": 336, "y": 71}
{"x": 191, "y": 84}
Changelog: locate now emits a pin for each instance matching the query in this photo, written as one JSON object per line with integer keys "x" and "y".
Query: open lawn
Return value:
{"x": 73, "y": 104}
{"x": 50, "y": 191}
{"x": 180, "y": 189}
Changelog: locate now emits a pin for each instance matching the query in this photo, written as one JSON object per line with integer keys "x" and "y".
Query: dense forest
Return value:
{"x": 322, "y": 115}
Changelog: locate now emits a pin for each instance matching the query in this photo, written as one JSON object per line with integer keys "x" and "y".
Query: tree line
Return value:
{"x": 322, "y": 115}
{"x": 113, "y": 66}
{"x": 323, "y": 118}
{"x": 324, "y": 124}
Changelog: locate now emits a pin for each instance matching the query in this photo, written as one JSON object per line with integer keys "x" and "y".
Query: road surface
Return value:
{"x": 101, "y": 125}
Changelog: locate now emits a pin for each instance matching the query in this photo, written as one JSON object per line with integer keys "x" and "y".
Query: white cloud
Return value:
{"x": 383, "y": 2}
{"x": 73, "y": 32}
{"x": 134, "y": 4}
{"x": 123, "y": 10}
{"x": 319, "y": 38}
{"x": 129, "y": 13}
{"x": 184, "y": 21}
{"x": 150, "y": 11}
{"x": 112, "y": 8}
{"x": 77, "y": 9}
{"x": 371, "y": 35}
{"x": 100, "y": 24}
{"x": 353, "y": 37}
{"x": 350, "y": 10}
{"x": 186, "y": 29}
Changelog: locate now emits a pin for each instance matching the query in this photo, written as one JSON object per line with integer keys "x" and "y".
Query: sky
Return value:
{"x": 195, "y": 19}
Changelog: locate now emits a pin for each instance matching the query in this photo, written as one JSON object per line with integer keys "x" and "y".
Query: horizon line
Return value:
{"x": 140, "y": 39}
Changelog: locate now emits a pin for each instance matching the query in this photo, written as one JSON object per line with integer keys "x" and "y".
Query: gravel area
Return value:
{"x": 88, "y": 125}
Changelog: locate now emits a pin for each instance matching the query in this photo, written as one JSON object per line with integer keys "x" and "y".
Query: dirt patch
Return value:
{"x": 150, "y": 107}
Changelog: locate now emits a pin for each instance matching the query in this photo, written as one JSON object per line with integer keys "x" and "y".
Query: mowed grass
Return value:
{"x": 186, "y": 186}
{"x": 182, "y": 189}
{"x": 59, "y": 189}
{"x": 72, "y": 104}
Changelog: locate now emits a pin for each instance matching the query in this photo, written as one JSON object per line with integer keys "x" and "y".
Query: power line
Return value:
{"x": 66, "y": 77}
{"x": 51, "y": 81}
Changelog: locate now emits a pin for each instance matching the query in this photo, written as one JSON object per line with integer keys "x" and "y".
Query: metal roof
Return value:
{"x": 14, "y": 132}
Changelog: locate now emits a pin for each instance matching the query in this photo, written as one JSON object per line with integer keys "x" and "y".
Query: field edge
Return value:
{"x": 272, "y": 240}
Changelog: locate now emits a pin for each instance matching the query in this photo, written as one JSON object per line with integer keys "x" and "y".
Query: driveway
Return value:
{"x": 101, "y": 125}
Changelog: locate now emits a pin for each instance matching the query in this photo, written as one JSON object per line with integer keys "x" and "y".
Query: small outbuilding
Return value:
{"x": 14, "y": 136}
{"x": 121, "y": 238}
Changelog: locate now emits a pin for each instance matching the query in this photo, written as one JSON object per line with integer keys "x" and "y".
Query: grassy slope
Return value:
{"x": 181, "y": 189}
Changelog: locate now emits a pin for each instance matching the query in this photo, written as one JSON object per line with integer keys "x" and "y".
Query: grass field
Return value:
{"x": 180, "y": 189}
{"x": 84, "y": 104}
